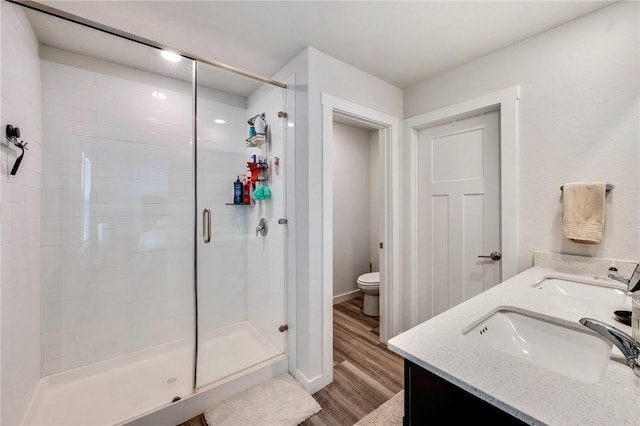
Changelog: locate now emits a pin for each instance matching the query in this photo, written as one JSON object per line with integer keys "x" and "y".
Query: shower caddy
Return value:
{"x": 259, "y": 167}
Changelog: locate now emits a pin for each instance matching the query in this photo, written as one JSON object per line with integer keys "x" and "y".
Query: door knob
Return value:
{"x": 493, "y": 256}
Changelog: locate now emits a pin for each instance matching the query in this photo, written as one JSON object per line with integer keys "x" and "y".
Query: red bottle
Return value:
{"x": 247, "y": 190}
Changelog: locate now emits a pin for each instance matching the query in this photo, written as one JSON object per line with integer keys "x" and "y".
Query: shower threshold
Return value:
{"x": 114, "y": 391}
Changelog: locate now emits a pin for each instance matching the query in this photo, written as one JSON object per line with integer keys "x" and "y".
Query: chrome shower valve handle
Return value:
{"x": 262, "y": 227}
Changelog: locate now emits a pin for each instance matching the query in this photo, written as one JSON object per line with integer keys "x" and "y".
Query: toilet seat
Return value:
{"x": 371, "y": 279}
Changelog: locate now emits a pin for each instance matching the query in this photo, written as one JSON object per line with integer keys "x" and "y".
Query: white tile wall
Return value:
{"x": 265, "y": 265}
{"x": 20, "y": 217}
{"x": 117, "y": 271}
{"x": 222, "y": 264}
{"x": 117, "y": 215}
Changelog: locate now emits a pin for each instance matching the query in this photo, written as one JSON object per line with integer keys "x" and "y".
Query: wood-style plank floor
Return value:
{"x": 365, "y": 373}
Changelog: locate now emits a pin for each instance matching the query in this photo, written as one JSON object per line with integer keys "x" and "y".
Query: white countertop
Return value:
{"x": 533, "y": 394}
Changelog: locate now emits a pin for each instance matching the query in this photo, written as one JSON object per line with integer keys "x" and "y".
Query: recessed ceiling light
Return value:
{"x": 158, "y": 95}
{"x": 219, "y": 121}
{"x": 170, "y": 56}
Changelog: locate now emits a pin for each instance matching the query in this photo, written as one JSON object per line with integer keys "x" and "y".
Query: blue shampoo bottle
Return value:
{"x": 238, "y": 196}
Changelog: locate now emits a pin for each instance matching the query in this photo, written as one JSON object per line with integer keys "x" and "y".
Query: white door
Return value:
{"x": 458, "y": 211}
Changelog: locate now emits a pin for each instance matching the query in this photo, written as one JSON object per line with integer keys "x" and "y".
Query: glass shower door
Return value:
{"x": 116, "y": 296}
{"x": 241, "y": 245}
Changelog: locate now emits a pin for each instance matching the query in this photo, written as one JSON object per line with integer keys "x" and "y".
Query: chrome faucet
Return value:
{"x": 629, "y": 347}
{"x": 633, "y": 283}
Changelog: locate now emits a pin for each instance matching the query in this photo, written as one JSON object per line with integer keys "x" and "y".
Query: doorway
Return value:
{"x": 430, "y": 280}
{"x": 459, "y": 211}
{"x": 388, "y": 130}
{"x": 356, "y": 212}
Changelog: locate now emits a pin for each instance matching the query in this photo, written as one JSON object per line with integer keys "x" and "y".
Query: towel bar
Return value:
{"x": 608, "y": 188}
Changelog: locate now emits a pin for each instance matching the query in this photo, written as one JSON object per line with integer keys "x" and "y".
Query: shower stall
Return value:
{"x": 146, "y": 285}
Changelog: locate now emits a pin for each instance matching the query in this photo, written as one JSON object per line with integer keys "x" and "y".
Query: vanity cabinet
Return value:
{"x": 430, "y": 399}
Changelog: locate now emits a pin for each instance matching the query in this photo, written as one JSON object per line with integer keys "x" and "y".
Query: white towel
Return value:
{"x": 583, "y": 208}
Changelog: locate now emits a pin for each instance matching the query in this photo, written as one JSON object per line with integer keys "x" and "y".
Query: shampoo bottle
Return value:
{"x": 247, "y": 190}
{"x": 237, "y": 192}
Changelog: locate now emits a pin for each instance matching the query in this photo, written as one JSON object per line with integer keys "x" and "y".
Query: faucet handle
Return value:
{"x": 634, "y": 281}
{"x": 262, "y": 227}
{"x": 619, "y": 278}
{"x": 629, "y": 347}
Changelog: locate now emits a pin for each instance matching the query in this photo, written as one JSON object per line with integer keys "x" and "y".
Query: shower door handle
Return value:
{"x": 206, "y": 225}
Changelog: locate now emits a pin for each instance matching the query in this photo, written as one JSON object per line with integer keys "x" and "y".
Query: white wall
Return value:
{"x": 331, "y": 76}
{"x": 308, "y": 75}
{"x": 20, "y": 231}
{"x": 577, "y": 121}
{"x": 351, "y": 206}
{"x": 375, "y": 199}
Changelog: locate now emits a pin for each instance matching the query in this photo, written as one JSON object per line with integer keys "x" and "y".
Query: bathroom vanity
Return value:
{"x": 517, "y": 354}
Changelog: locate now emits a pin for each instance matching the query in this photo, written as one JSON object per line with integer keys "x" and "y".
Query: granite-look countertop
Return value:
{"x": 531, "y": 393}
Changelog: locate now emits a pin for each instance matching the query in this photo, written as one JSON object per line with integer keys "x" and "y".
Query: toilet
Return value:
{"x": 369, "y": 284}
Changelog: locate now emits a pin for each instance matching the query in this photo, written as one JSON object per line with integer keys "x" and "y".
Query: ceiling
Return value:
{"x": 59, "y": 33}
{"x": 401, "y": 42}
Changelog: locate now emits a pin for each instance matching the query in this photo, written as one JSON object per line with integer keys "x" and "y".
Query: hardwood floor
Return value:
{"x": 365, "y": 373}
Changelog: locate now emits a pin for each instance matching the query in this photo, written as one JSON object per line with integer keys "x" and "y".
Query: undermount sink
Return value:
{"x": 589, "y": 289}
{"x": 567, "y": 350}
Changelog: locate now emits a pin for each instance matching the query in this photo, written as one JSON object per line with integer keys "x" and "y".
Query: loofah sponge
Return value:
{"x": 261, "y": 193}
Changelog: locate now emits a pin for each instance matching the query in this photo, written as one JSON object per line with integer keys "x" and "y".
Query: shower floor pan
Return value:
{"x": 114, "y": 391}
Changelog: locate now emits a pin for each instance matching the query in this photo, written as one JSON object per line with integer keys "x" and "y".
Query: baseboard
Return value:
{"x": 346, "y": 296}
{"x": 313, "y": 385}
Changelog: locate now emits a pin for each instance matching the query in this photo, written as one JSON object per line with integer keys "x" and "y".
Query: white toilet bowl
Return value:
{"x": 369, "y": 284}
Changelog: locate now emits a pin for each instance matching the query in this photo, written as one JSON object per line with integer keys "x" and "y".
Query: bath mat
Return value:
{"x": 388, "y": 414}
{"x": 280, "y": 401}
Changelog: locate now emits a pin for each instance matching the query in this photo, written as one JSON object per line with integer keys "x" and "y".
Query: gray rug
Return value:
{"x": 281, "y": 401}
{"x": 388, "y": 414}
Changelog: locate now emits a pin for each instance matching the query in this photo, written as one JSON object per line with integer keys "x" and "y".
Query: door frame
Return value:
{"x": 507, "y": 101}
{"x": 389, "y": 128}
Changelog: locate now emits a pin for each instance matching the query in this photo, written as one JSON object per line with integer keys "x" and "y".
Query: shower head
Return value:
{"x": 252, "y": 120}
